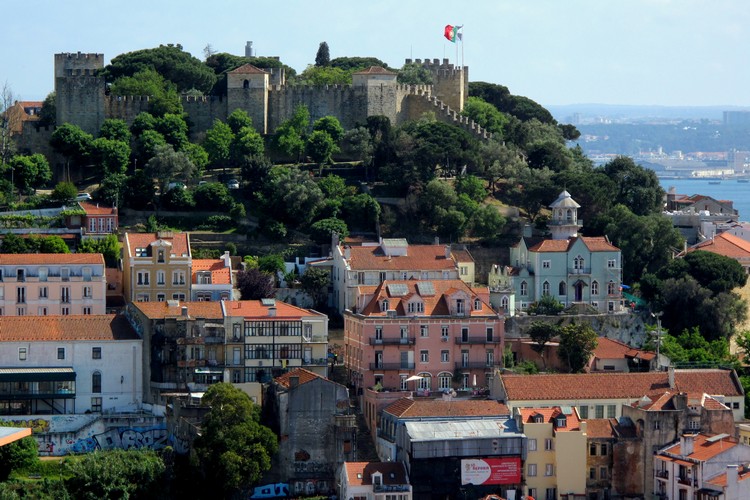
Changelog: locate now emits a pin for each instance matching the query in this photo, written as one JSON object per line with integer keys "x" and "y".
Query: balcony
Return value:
{"x": 687, "y": 481}
{"x": 391, "y": 366}
{"x": 584, "y": 270}
{"x": 473, "y": 365}
{"x": 662, "y": 474}
{"x": 565, "y": 222}
{"x": 479, "y": 339}
{"x": 315, "y": 362}
{"x": 393, "y": 341}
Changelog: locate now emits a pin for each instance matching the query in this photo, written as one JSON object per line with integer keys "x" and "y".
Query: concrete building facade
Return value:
{"x": 156, "y": 266}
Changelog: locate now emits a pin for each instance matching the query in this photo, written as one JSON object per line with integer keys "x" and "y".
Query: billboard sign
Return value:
{"x": 491, "y": 471}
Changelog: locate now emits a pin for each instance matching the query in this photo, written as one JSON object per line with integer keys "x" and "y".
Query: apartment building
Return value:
{"x": 156, "y": 266}
{"x": 212, "y": 279}
{"x": 52, "y": 284}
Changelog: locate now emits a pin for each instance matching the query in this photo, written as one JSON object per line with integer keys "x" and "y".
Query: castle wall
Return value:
{"x": 451, "y": 83}
{"x": 254, "y": 100}
{"x": 348, "y": 104}
{"x": 125, "y": 107}
{"x": 204, "y": 110}
{"x": 79, "y": 94}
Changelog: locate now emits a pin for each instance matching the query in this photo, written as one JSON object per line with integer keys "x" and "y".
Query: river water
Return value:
{"x": 738, "y": 192}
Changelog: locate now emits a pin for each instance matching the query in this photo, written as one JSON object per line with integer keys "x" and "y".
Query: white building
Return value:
{"x": 69, "y": 364}
{"x": 374, "y": 481}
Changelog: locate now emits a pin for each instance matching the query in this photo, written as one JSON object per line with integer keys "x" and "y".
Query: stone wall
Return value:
{"x": 624, "y": 327}
{"x": 204, "y": 110}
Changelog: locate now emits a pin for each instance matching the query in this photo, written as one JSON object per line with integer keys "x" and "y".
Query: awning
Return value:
{"x": 37, "y": 374}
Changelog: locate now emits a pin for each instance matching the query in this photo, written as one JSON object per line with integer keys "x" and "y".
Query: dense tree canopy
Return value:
{"x": 577, "y": 344}
{"x": 323, "y": 57}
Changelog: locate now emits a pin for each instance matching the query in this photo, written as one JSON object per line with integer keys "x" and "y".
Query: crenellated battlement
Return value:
{"x": 128, "y": 98}
{"x": 77, "y": 64}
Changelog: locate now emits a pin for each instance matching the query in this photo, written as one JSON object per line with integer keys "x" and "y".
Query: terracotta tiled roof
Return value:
{"x": 462, "y": 255}
{"x": 612, "y": 349}
{"x": 418, "y": 258}
{"x": 101, "y": 327}
{"x": 594, "y": 244}
{"x": 360, "y": 473}
{"x": 179, "y": 242}
{"x": 600, "y": 428}
{"x": 549, "y": 415}
{"x": 256, "y": 309}
{"x": 248, "y": 69}
{"x": 725, "y": 244}
{"x": 616, "y": 385}
{"x": 374, "y": 70}
{"x": 434, "y": 305}
{"x": 162, "y": 310}
{"x": 703, "y": 449}
{"x": 38, "y": 259}
{"x": 303, "y": 375}
{"x": 721, "y": 479}
{"x": 95, "y": 209}
{"x": 220, "y": 275}
{"x": 412, "y": 408}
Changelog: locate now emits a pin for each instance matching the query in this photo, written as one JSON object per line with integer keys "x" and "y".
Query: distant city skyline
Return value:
{"x": 635, "y": 52}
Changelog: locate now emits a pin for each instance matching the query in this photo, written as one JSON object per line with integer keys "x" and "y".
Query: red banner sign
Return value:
{"x": 491, "y": 471}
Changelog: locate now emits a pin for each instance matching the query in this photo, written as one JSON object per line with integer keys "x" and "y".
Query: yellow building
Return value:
{"x": 556, "y": 451}
{"x": 156, "y": 267}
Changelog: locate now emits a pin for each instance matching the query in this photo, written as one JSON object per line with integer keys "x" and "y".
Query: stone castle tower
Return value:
{"x": 79, "y": 92}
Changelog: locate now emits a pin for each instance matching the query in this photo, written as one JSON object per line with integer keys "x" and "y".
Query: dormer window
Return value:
{"x": 384, "y": 305}
{"x": 160, "y": 256}
{"x": 377, "y": 479}
{"x": 141, "y": 252}
{"x": 477, "y": 305}
{"x": 460, "y": 309}
{"x": 561, "y": 421}
{"x": 538, "y": 418}
{"x": 416, "y": 307}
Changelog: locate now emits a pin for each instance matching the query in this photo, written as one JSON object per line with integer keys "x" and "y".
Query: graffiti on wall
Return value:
{"x": 126, "y": 438}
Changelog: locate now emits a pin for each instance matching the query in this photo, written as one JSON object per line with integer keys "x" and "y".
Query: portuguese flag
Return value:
{"x": 453, "y": 33}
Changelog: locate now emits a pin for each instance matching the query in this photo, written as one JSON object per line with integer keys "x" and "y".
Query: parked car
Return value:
{"x": 83, "y": 197}
{"x": 233, "y": 184}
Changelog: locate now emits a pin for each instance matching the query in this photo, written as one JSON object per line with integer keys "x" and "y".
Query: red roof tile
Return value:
{"x": 612, "y": 349}
{"x": 616, "y": 385}
{"x": 103, "y": 327}
{"x": 599, "y": 428}
{"x": 374, "y": 70}
{"x": 248, "y": 69}
{"x": 179, "y": 241}
{"x": 303, "y": 376}
{"x": 39, "y": 259}
{"x": 220, "y": 275}
{"x": 360, "y": 473}
{"x": 549, "y": 415}
{"x": 256, "y": 309}
{"x": 412, "y": 408}
{"x": 95, "y": 209}
{"x": 162, "y": 310}
{"x": 594, "y": 244}
{"x": 703, "y": 449}
{"x": 725, "y": 244}
{"x": 418, "y": 258}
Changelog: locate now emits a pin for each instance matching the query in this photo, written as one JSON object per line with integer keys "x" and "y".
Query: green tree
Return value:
{"x": 112, "y": 155}
{"x": 108, "y": 246}
{"x": 147, "y": 144}
{"x": 168, "y": 165}
{"x": 246, "y": 142}
{"x": 48, "y": 244}
{"x": 547, "y": 305}
{"x": 320, "y": 147}
{"x": 351, "y": 64}
{"x": 333, "y": 186}
{"x": 30, "y": 172}
{"x": 323, "y": 57}
{"x": 577, "y": 344}
{"x": 324, "y": 75}
{"x": 179, "y": 199}
{"x": 520, "y": 107}
{"x": 271, "y": 264}
{"x": 140, "y": 188}
{"x": 72, "y": 142}
{"x": 48, "y": 114}
{"x": 486, "y": 115}
{"x": 361, "y": 211}
{"x": 18, "y": 454}
{"x": 291, "y": 195}
{"x": 13, "y": 243}
{"x": 414, "y": 74}
{"x": 234, "y": 449}
{"x": 112, "y": 190}
{"x": 487, "y": 222}
{"x": 143, "y": 121}
{"x": 357, "y": 143}
{"x": 320, "y": 231}
{"x": 239, "y": 119}
{"x": 115, "y": 130}
{"x": 197, "y": 155}
{"x": 64, "y": 192}
{"x": 330, "y": 125}
{"x": 213, "y": 196}
{"x": 174, "y": 128}
{"x": 115, "y": 474}
{"x": 217, "y": 143}
{"x": 315, "y": 282}
{"x": 639, "y": 187}
{"x": 163, "y": 96}
{"x": 472, "y": 186}
{"x": 541, "y": 333}
{"x": 716, "y": 272}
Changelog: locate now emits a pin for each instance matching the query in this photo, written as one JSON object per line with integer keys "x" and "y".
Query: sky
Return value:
{"x": 631, "y": 52}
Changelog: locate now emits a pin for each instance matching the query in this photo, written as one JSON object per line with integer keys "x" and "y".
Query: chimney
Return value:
{"x": 527, "y": 231}
{"x": 733, "y": 487}
{"x": 686, "y": 444}
{"x": 671, "y": 377}
{"x": 347, "y": 252}
{"x": 184, "y": 311}
{"x": 334, "y": 239}
{"x": 272, "y": 311}
{"x": 447, "y": 251}
{"x": 227, "y": 260}
{"x": 437, "y": 240}
{"x": 293, "y": 382}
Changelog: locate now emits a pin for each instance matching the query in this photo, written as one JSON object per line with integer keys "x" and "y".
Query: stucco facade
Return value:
{"x": 156, "y": 266}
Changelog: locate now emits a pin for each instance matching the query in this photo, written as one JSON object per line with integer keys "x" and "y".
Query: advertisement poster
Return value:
{"x": 491, "y": 471}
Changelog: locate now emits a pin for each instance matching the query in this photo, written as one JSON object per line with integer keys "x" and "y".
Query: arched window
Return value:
{"x": 246, "y": 84}
{"x": 611, "y": 288}
{"x": 384, "y": 305}
{"x": 477, "y": 305}
{"x": 578, "y": 262}
{"x": 524, "y": 288}
{"x": 444, "y": 380}
{"x": 545, "y": 288}
{"x": 96, "y": 382}
{"x": 562, "y": 289}
{"x": 504, "y": 304}
{"x": 594, "y": 288}
{"x": 425, "y": 383}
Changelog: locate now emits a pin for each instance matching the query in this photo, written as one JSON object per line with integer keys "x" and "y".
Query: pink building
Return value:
{"x": 423, "y": 336}
{"x": 97, "y": 221}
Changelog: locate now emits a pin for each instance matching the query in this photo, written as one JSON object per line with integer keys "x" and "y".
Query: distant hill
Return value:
{"x": 626, "y": 113}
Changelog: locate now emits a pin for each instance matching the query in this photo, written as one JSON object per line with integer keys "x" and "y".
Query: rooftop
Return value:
{"x": 613, "y": 349}
{"x": 178, "y": 241}
{"x": 418, "y": 258}
{"x": 52, "y": 259}
{"x": 261, "y": 309}
{"x": 102, "y": 327}
{"x": 172, "y": 309}
{"x": 303, "y": 376}
{"x": 725, "y": 244}
{"x": 95, "y": 209}
{"x": 593, "y": 243}
{"x": 414, "y": 408}
{"x": 705, "y": 447}
{"x": 360, "y": 473}
{"x": 550, "y": 416}
{"x": 456, "y": 429}
{"x": 220, "y": 274}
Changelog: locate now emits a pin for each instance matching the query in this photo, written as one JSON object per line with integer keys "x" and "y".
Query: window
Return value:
{"x": 92, "y": 225}
{"x": 96, "y": 382}
{"x": 444, "y": 331}
{"x": 524, "y": 288}
{"x": 404, "y": 383}
{"x": 86, "y": 273}
{"x": 96, "y": 353}
{"x": 43, "y": 271}
{"x": 161, "y": 297}
{"x": 611, "y": 288}
{"x": 592, "y": 449}
{"x": 404, "y": 332}
{"x": 611, "y": 263}
{"x": 545, "y": 288}
{"x": 599, "y": 411}
{"x": 551, "y": 494}
{"x": 602, "y": 473}
{"x": 549, "y": 444}
{"x": 477, "y": 305}
{"x": 532, "y": 492}
{"x": 360, "y": 278}
{"x": 60, "y": 353}
{"x": 424, "y": 356}
{"x": 594, "y": 288}
{"x": 141, "y": 252}
{"x": 20, "y": 275}
{"x": 21, "y": 295}
{"x": 378, "y": 333}
{"x": 603, "y": 450}
{"x": 65, "y": 311}
{"x": 160, "y": 255}
{"x": 384, "y": 305}
{"x": 611, "y": 411}
{"x": 549, "y": 470}
{"x": 694, "y": 424}
{"x": 735, "y": 405}
{"x": 42, "y": 311}
{"x": 20, "y": 311}
{"x": 578, "y": 263}
{"x": 87, "y": 311}
{"x": 583, "y": 411}
{"x": 382, "y": 276}
{"x": 161, "y": 277}
{"x": 445, "y": 356}
{"x": 65, "y": 294}
{"x": 531, "y": 470}
{"x": 177, "y": 296}
{"x": 96, "y": 404}
{"x": 423, "y": 331}
{"x": 142, "y": 278}
{"x": 43, "y": 292}
{"x": 444, "y": 381}
{"x": 592, "y": 473}
{"x": 178, "y": 277}
{"x": 532, "y": 444}
{"x": 546, "y": 264}
{"x": 87, "y": 292}
{"x": 460, "y": 309}
{"x": 656, "y": 425}
{"x": 142, "y": 297}
{"x": 489, "y": 332}
{"x": 463, "y": 270}
{"x": 21, "y": 354}
{"x": 562, "y": 288}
